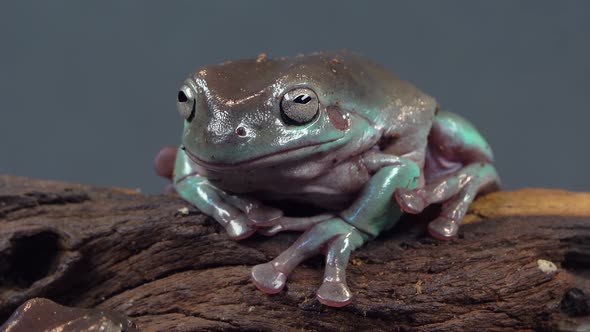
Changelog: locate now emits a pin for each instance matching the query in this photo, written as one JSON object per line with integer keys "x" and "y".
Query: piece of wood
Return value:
{"x": 522, "y": 263}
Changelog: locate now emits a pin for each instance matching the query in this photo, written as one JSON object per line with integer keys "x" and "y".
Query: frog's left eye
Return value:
{"x": 186, "y": 103}
{"x": 300, "y": 106}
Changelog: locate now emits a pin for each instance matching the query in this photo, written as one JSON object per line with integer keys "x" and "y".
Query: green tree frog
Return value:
{"x": 330, "y": 129}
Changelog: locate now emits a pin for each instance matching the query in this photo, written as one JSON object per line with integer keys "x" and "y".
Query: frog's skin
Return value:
{"x": 330, "y": 129}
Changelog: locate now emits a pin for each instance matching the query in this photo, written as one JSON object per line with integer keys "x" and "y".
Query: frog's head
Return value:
{"x": 263, "y": 111}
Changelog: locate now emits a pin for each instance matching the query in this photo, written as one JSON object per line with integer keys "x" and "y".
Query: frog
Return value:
{"x": 334, "y": 130}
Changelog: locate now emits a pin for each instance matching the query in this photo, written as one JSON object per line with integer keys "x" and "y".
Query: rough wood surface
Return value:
{"x": 141, "y": 255}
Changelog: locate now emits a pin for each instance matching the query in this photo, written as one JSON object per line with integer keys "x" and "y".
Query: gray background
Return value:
{"x": 87, "y": 89}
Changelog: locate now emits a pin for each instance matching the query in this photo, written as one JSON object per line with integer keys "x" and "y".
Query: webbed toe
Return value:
{"x": 410, "y": 200}
{"x": 334, "y": 294}
{"x": 239, "y": 230}
{"x": 443, "y": 228}
{"x": 263, "y": 214}
{"x": 268, "y": 279}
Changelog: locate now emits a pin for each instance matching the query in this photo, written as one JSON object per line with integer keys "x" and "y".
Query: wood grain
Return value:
{"x": 141, "y": 255}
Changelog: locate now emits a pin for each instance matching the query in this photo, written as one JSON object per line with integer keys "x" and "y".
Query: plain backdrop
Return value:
{"x": 88, "y": 88}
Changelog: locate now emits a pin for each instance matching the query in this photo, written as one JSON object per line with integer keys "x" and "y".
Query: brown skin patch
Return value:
{"x": 337, "y": 118}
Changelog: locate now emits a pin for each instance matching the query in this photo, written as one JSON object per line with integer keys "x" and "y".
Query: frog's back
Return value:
{"x": 341, "y": 77}
{"x": 366, "y": 86}
{"x": 403, "y": 113}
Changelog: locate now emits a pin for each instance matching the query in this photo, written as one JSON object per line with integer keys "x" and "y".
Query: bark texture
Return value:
{"x": 522, "y": 262}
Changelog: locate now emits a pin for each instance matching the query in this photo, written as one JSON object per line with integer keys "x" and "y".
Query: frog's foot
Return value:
{"x": 338, "y": 238}
{"x": 411, "y": 200}
{"x": 334, "y": 291}
{"x": 164, "y": 162}
{"x": 277, "y": 225}
{"x": 228, "y": 212}
{"x": 456, "y": 191}
{"x": 334, "y": 294}
{"x": 269, "y": 277}
{"x": 238, "y": 215}
{"x": 164, "y": 166}
{"x": 243, "y": 213}
{"x": 256, "y": 212}
{"x": 238, "y": 229}
{"x": 443, "y": 228}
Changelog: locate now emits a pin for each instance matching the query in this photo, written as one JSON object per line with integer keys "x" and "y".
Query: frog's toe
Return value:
{"x": 239, "y": 230}
{"x": 334, "y": 294}
{"x": 410, "y": 200}
{"x": 270, "y": 231}
{"x": 268, "y": 279}
{"x": 264, "y": 214}
{"x": 255, "y": 211}
{"x": 292, "y": 223}
{"x": 443, "y": 228}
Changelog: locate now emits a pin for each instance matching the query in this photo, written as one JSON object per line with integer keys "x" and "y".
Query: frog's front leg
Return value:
{"x": 371, "y": 212}
{"x": 235, "y": 213}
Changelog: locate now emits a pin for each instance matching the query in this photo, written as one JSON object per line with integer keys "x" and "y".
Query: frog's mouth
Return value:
{"x": 286, "y": 155}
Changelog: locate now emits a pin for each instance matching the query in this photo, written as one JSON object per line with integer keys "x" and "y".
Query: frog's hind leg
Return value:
{"x": 457, "y": 167}
{"x": 456, "y": 191}
{"x": 334, "y": 236}
{"x": 334, "y": 290}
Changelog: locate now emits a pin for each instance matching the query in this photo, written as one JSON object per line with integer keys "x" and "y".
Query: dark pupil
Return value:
{"x": 302, "y": 99}
{"x": 182, "y": 97}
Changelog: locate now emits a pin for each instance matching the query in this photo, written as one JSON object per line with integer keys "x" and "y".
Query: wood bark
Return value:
{"x": 521, "y": 262}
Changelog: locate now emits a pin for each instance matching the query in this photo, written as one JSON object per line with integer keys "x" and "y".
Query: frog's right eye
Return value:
{"x": 300, "y": 106}
{"x": 186, "y": 103}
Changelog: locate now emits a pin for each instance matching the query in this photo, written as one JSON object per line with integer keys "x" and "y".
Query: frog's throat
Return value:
{"x": 267, "y": 159}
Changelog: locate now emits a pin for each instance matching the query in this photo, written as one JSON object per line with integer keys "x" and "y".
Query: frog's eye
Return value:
{"x": 186, "y": 103}
{"x": 299, "y": 106}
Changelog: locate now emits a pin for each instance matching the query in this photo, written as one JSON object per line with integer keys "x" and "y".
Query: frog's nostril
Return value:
{"x": 241, "y": 131}
{"x": 182, "y": 98}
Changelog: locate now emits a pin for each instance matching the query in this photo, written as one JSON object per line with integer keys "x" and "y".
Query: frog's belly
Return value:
{"x": 333, "y": 187}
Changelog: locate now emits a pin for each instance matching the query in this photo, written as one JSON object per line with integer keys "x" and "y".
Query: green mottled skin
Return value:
{"x": 363, "y": 145}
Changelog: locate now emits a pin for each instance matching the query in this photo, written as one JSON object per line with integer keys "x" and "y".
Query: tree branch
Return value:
{"x": 172, "y": 268}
